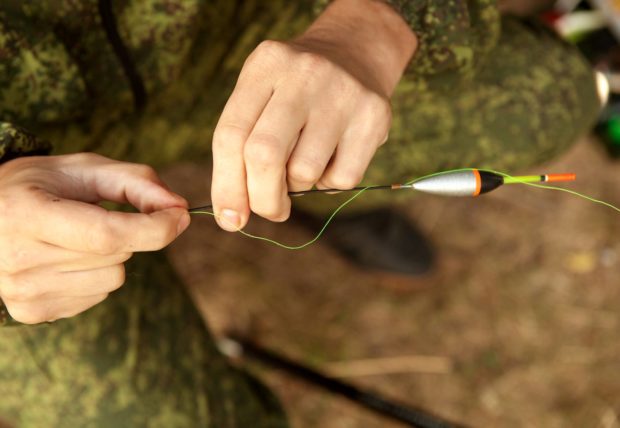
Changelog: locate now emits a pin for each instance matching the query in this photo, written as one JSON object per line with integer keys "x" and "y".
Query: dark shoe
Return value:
{"x": 382, "y": 240}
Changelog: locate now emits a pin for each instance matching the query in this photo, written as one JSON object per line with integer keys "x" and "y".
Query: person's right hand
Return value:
{"x": 60, "y": 253}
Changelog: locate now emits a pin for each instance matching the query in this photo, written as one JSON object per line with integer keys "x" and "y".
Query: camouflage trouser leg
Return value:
{"x": 532, "y": 99}
{"x": 143, "y": 358}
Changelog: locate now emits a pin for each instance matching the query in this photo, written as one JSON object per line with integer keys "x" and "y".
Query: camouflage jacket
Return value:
{"x": 57, "y": 62}
{"x": 64, "y": 61}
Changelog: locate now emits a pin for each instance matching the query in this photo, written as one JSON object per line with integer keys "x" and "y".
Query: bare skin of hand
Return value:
{"x": 60, "y": 252}
{"x": 311, "y": 111}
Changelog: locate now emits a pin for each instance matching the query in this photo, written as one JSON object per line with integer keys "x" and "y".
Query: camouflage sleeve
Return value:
{"x": 453, "y": 35}
{"x": 39, "y": 81}
{"x": 16, "y": 142}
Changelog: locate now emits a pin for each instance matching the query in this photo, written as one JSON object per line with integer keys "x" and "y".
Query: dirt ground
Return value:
{"x": 523, "y": 311}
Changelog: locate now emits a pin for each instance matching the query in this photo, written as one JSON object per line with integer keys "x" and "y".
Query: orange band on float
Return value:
{"x": 478, "y": 182}
{"x": 561, "y": 177}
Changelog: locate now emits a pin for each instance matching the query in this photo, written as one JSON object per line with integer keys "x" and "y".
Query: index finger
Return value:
{"x": 228, "y": 187}
{"x": 84, "y": 227}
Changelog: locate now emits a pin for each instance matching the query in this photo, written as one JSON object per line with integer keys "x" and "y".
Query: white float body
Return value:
{"x": 460, "y": 183}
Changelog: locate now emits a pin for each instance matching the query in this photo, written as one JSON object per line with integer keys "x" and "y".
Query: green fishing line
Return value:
{"x": 295, "y": 247}
{"x": 560, "y": 189}
{"x": 356, "y": 195}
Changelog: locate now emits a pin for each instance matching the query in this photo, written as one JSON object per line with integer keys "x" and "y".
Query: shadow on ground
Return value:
{"x": 525, "y": 304}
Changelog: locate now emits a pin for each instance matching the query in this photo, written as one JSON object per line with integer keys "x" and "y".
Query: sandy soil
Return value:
{"x": 524, "y": 305}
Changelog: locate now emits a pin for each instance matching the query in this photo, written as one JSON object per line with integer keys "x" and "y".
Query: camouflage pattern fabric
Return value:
{"x": 452, "y": 35}
{"x": 16, "y": 142}
{"x": 141, "y": 359}
{"x": 472, "y": 97}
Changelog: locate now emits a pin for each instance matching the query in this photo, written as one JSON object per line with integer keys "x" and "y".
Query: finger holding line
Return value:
{"x": 367, "y": 131}
{"x": 229, "y": 182}
{"x": 84, "y": 227}
{"x": 313, "y": 151}
{"x": 267, "y": 151}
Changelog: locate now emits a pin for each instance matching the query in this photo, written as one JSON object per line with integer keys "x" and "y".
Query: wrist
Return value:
{"x": 368, "y": 33}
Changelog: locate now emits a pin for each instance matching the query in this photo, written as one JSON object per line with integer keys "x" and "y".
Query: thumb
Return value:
{"x": 121, "y": 182}
{"x": 79, "y": 226}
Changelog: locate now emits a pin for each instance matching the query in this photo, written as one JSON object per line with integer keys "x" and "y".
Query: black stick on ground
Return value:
{"x": 411, "y": 416}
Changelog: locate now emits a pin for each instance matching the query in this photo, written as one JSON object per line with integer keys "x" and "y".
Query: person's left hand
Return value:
{"x": 310, "y": 111}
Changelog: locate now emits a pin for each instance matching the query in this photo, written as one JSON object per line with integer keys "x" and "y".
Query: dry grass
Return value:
{"x": 525, "y": 305}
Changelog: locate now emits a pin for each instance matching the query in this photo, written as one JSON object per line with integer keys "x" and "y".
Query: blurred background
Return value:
{"x": 518, "y": 325}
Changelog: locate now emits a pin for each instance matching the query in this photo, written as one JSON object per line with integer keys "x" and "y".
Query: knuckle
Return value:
{"x": 11, "y": 223}
{"x": 384, "y": 139}
{"x": 304, "y": 171}
{"x": 84, "y": 157}
{"x": 264, "y": 150}
{"x": 381, "y": 133}
{"x": 83, "y": 307}
{"x": 166, "y": 235}
{"x": 345, "y": 180}
{"x": 267, "y": 50}
{"x": 273, "y": 214}
{"x": 386, "y": 123}
{"x": 94, "y": 302}
{"x": 270, "y": 47}
{"x": 226, "y": 136}
{"x": 17, "y": 290}
{"x": 312, "y": 62}
{"x": 316, "y": 72}
{"x": 146, "y": 171}
{"x": 385, "y": 113}
{"x": 282, "y": 217}
{"x": 123, "y": 257}
{"x": 102, "y": 239}
{"x": 29, "y": 314}
{"x": 6, "y": 265}
{"x": 271, "y": 210}
{"x": 117, "y": 277}
{"x": 380, "y": 108}
{"x": 13, "y": 259}
{"x": 98, "y": 300}
{"x": 379, "y": 113}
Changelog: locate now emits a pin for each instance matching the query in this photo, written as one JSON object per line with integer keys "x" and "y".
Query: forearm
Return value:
{"x": 372, "y": 34}
{"x": 452, "y": 38}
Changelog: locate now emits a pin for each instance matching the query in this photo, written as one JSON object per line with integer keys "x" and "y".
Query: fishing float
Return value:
{"x": 475, "y": 182}
{"x": 462, "y": 182}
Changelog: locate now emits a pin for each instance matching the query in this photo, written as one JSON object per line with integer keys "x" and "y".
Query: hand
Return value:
{"x": 60, "y": 253}
{"x": 312, "y": 111}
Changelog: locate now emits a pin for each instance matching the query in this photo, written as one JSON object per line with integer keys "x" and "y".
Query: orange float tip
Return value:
{"x": 561, "y": 177}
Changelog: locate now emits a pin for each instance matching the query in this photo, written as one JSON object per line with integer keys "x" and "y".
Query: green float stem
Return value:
{"x": 522, "y": 179}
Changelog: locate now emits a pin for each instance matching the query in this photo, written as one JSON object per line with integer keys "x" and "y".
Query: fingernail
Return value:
{"x": 230, "y": 220}
{"x": 183, "y": 223}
